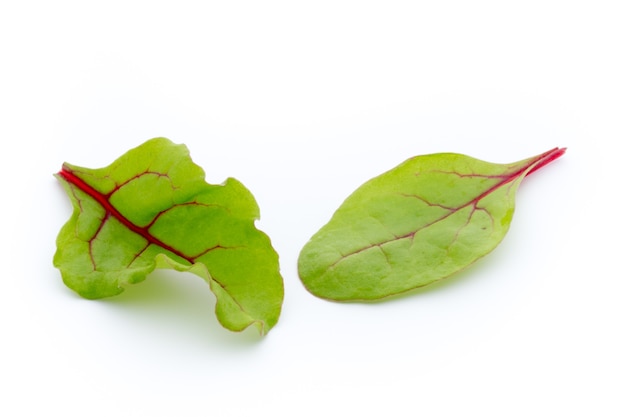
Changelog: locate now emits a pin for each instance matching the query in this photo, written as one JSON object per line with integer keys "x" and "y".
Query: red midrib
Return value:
{"x": 103, "y": 200}
{"x": 540, "y": 161}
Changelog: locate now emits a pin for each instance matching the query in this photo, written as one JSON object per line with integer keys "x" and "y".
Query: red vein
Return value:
{"x": 93, "y": 238}
{"x": 458, "y": 174}
{"x": 138, "y": 254}
{"x": 428, "y": 203}
{"x": 212, "y": 248}
{"x": 103, "y": 200}
{"x": 540, "y": 161}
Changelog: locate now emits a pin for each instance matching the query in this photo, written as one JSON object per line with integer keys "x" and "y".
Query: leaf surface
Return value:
{"x": 422, "y": 221}
{"x": 152, "y": 208}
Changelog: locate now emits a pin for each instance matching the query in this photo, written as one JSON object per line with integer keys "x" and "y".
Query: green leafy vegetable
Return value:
{"x": 152, "y": 208}
{"x": 422, "y": 221}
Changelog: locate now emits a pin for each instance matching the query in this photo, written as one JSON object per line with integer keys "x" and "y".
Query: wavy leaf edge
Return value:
{"x": 166, "y": 255}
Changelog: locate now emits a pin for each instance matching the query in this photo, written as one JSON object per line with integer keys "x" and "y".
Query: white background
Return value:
{"x": 303, "y": 102}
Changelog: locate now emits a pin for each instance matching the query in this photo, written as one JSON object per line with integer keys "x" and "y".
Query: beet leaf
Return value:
{"x": 422, "y": 221}
{"x": 152, "y": 208}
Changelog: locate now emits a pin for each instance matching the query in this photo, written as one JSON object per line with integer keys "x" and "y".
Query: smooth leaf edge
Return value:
{"x": 538, "y": 162}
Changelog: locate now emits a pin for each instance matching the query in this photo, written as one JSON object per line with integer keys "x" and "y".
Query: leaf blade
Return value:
{"x": 420, "y": 222}
{"x": 152, "y": 208}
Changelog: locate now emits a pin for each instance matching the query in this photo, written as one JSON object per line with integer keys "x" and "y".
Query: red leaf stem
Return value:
{"x": 547, "y": 157}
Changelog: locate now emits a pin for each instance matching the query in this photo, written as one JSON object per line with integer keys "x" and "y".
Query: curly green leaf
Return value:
{"x": 152, "y": 208}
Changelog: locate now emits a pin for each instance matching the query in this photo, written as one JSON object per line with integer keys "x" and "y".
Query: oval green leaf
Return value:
{"x": 152, "y": 208}
{"x": 420, "y": 222}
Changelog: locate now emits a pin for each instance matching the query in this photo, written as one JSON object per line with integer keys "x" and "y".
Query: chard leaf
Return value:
{"x": 152, "y": 208}
{"x": 422, "y": 221}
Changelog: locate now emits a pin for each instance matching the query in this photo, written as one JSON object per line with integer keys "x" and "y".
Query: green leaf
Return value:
{"x": 422, "y": 221}
{"x": 152, "y": 208}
